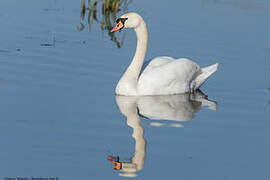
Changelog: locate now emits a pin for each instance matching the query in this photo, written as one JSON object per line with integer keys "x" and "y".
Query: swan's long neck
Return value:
{"x": 135, "y": 66}
{"x": 128, "y": 83}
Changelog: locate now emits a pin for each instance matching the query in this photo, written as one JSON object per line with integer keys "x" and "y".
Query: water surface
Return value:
{"x": 60, "y": 117}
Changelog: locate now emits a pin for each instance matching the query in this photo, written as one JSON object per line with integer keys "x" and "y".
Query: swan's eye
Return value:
{"x": 122, "y": 20}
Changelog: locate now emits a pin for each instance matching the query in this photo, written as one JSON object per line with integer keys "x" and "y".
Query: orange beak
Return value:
{"x": 119, "y": 26}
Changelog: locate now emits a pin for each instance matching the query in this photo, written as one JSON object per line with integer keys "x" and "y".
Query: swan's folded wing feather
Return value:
{"x": 156, "y": 62}
{"x": 168, "y": 76}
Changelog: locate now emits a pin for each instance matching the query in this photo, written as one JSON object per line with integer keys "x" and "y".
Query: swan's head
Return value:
{"x": 129, "y": 20}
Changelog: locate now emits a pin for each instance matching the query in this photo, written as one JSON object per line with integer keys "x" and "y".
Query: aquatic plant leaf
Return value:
{"x": 109, "y": 10}
{"x": 83, "y": 9}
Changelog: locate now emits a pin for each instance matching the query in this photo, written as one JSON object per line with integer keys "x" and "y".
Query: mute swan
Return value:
{"x": 163, "y": 75}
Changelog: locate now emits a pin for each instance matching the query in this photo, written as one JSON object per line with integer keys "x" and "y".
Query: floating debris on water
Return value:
{"x": 80, "y": 26}
{"x": 49, "y": 44}
{"x": 46, "y": 44}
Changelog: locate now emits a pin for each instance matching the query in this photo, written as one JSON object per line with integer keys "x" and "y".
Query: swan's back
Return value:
{"x": 156, "y": 62}
{"x": 165, "y": 75}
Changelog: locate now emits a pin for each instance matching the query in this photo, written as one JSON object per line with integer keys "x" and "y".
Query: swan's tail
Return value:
{"x": 206, "y": 73}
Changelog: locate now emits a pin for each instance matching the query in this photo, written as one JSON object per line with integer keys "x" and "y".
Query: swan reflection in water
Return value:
{"x": 174, "y": 108}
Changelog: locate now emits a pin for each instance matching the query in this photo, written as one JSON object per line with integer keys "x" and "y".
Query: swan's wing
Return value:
{"x": 156, "y": 62}
{"x": 164, "y": 75}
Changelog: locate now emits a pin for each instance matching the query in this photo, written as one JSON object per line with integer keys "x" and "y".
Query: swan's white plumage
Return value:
{"x": 163, "y": 75}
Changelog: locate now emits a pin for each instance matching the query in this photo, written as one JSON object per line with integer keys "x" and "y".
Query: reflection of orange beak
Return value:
{"x": 119, "y": 26}
{"x": 117, "y": 165}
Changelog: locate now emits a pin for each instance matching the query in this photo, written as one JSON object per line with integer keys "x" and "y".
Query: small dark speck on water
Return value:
{"x": 49, "y": 44}
{"x": 46, "y": 44}
{"x": 28, "y": 37}
{"x": 52, "y": 9}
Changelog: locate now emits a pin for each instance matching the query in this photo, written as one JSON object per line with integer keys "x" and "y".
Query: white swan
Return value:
{"x": 163, "y": 75}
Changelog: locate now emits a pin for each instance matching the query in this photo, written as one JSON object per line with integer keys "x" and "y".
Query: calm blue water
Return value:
{"x": 60, "y": 117}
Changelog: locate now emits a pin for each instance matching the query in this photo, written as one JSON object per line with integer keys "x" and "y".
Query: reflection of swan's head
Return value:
{"x": 129, "y": 20}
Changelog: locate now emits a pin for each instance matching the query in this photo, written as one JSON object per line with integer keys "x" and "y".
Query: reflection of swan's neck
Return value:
{"x": 134, "y": 122}
{"x": 130, "y": 77}
{"x": 128, "y": 107}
